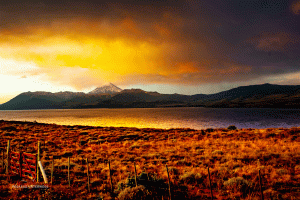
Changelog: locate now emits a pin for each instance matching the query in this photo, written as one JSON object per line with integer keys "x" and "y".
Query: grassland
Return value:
{"x": 234, "y": 158}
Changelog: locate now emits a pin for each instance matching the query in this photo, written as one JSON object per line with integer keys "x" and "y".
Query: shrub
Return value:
{"x": 231, "y": 127}
{"x": 191, "y": 178}
{"x": 209, "y": 130}
{"x": 139, "y": 192}
{"x": 297, "y": 169}
{"x": 156, "y": 185}
{"x": 217, "y": 152}
{"x": 282, "y": 171}
{"x": 134, "y": 146}
{"x": 121, "y": 185}
{"x": 238, "y": 184}
{"x": 183, "y": 162}
{"x": 173, "y": 171}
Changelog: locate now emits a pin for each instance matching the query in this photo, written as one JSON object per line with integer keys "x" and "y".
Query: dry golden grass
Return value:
{"x": 233, "y": 156}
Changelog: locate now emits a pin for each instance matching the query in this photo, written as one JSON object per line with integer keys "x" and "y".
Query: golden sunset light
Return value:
{"x": 151, "y": 99}
{"x": 86, "y": 44}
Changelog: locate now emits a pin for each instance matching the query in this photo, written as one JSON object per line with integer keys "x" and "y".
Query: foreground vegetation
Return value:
{"x": 234, "y": 158}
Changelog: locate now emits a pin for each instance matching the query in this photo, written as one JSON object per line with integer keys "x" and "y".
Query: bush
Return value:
{"x": 139, "y": 192}
{"x": 238, "y": 184}
{"x": 231, "y": 127}
{"x": 209, "y": 130}
{"x": 173, "y": 170}
{"x": 191, "y": 178}
{"x": 282, "y": 171}
{"x": 217, "y": 152}
{"x": 156, "y": 185}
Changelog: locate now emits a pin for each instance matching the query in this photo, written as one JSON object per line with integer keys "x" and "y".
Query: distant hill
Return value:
{"x": 110, "y": 96}
{"x": 266, "y": 95}
{"x": 48, "y": 100}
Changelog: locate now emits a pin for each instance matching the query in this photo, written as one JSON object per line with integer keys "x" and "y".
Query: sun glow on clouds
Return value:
{"x": 20, "y": 76}
{"x": 74, "y": 56}
{"x": 295, "y": 7}
{"x": 77, "y": 48}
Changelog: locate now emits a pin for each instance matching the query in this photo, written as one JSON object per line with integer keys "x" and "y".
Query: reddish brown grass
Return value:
{"x": 233, "y": 156}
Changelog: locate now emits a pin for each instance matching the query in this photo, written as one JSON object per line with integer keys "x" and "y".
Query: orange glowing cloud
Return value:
{"x": 295, "y": 7}
{"x": 279, "y": 41}
{"x": 109, "y": 56}
{"x": 84, "y": 51}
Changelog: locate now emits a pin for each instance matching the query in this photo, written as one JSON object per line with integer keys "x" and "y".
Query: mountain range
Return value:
{"x": 110, "y": 96}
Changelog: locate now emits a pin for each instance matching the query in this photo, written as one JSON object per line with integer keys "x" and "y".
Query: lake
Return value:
{"x": 190, "y": 117}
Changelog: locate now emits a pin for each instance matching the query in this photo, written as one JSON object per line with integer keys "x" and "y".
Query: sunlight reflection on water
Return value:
{"x": 196, "y": 118}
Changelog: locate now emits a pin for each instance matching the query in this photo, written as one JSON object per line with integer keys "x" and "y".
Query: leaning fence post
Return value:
{"x": 211, "y": 193}
{"x": 136, "y": 184}
{"x": 43, "y": 172}
{"x": 169, "y": 182}
{"x": 8, "y": 150}
{"x": 260, "y": 183}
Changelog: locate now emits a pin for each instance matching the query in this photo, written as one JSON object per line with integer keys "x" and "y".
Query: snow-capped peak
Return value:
{"x": 108, "y": 88}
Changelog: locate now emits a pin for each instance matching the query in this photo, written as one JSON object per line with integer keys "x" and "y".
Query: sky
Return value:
{"x": 183, "y": 46}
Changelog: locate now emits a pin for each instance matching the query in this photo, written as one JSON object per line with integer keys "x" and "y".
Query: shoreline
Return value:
{"x": 141, "y": 127}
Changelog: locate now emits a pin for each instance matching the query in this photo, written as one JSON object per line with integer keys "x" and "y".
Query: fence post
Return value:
{"x": 169, "y": 182}
{"x": 38, "y": 159}
{"x": 43, "y": 172}
{"x": 260, "y": 183}
{"x": 37, "y": 166}
{"x": 111, "y": 185}
{"x": 69, "y": 171}
{"x": 211, "y": 193}
{"x": 87, "y": 163}
{"x": 20, "y": 162}
{"x": 3, "y": 159}
{"x": 52, "y": 169}
{"x": 8, "y": 150}
{"x": 136, "y": 184}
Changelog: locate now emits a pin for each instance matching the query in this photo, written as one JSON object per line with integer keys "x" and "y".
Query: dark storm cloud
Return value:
{"x": 215, "y": 40}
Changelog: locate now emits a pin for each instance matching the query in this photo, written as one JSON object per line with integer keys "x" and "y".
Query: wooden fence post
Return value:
{"x": 37, "y": 166}
{"x": 211, "y": 193}
{"x": 110, "y": 176}
{"x": 20, "y": 162}
{"x": 8, "y": 150}
{"x": 52, "y": 170}
{"x": 3, "y": 159}
{"x": 169, "y": 182}
{"x": 136, "y": 183}
{"x": 43, "y": 172}
{"x": 38, "y": 159}
{"x": 260, "y": 183}
{"x": 87, "y": 163}
{"x": 69, "y": 171}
